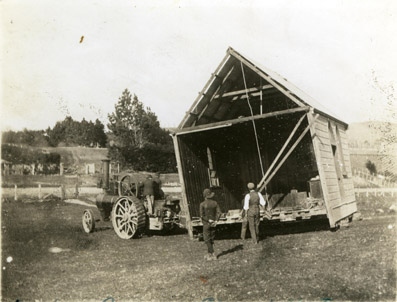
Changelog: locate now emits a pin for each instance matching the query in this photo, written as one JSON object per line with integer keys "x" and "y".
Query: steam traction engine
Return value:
{"x": 122, "y": 204}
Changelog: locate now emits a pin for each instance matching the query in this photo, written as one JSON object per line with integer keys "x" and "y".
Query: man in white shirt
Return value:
{"x": 251, "y": 205}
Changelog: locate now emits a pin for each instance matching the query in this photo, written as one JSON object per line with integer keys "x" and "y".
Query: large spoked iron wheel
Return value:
{"x": 88, "y": 221}
{"x": 125, "y": 186}
{"x": 128, "y": 217}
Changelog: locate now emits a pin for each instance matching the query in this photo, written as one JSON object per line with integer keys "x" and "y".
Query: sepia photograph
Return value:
{"x": 186, "y": 150}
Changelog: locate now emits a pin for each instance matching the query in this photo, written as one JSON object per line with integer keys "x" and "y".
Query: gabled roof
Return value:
{"x": 238, "y": 78}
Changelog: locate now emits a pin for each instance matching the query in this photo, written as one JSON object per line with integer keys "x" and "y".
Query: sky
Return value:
{"x": 342, "y": 53}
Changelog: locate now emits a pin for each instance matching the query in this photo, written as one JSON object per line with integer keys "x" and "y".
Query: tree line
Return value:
{"x": 134, "y": 138}
{"x": 65, "y": 133}
{"x": 42, "y": 163}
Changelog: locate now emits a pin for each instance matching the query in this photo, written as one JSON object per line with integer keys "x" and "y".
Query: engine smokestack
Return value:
{"x": 106, "y": 174}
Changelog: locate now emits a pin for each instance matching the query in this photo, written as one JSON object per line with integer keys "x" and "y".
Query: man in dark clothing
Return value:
{"x": 209, "y": 213}
{"x": 148, "y": 192}
{"x": 251, "y": 205}
{"x": 244, "y": 223}
{"x": 158, "y": 193}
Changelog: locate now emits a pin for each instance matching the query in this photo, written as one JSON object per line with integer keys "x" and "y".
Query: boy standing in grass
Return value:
{"x": 209, "y": 213}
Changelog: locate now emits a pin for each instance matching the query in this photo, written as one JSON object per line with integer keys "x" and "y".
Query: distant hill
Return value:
{"x": 372, "y": 134}
{"x": 79, "y": 156}
{"x": 375, "y": 141}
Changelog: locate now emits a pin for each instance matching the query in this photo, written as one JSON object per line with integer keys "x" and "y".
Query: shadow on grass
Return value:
{"x": 270, "y": 229}
{"x": 165, "y": 232}
{"x": 102, "y": 228}
{"x": 238, "y": 247}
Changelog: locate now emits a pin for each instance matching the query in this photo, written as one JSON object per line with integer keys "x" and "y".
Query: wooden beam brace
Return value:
{"x": 244, "y": 96}
{"x": 281, "y": 150}
{"x": 245, "y": 119}
{"x": 289, "y": 153}
{"x": 197, "y": 129}
{"x": 238, "y": 92}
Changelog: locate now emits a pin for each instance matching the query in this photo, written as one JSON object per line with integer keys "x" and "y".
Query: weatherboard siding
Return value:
{"x": 347, "y": 182}
{"x": 338, "y": 206}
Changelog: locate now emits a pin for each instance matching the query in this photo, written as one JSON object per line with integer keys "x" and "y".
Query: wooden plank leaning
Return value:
{"x": 288, "y": 153}
{"x": 281, "y": 151}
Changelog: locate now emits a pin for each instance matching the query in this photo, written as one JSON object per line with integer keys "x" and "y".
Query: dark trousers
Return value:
{"x": 253, "y": 221}
{"x": 209, "y": 236}
{"x": 244, "y": 226}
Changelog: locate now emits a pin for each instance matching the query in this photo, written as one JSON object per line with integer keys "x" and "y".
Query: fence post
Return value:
{"x": 39, "y": 191}
{"x": 15, "y": 192}
{"x": 76, "y": 193}
{"x": 63, "y": 192}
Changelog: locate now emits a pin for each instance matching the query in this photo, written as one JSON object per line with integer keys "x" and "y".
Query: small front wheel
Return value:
{"x": 88, "y": 221}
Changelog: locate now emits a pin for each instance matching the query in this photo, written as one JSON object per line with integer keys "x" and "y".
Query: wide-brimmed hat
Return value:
{"x": 251, "y": 185}
{"x": 208, "y": 193}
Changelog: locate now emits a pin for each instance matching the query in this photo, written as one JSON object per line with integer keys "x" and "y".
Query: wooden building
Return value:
{"x": 249, "y": 124}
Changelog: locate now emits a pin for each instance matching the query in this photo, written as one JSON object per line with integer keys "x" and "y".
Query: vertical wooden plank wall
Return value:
{"x": 337, "y": 207}
{"x": 194, "y": 172}
{"x": 348, "y": 205}
{"x": 322, "y": 148}
{"x": 347, "y": 182}
{"x": 185, "y": 205}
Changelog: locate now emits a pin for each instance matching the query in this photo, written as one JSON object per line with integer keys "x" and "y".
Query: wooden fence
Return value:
{"x": 41, "y": 193}
{"x": 69, "y": 192}
{"x": 376, "y": 191}
{"x": 378, "y": 180}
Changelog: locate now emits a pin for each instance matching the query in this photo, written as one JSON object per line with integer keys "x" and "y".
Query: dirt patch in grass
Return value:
{"x": 293, "y": 262}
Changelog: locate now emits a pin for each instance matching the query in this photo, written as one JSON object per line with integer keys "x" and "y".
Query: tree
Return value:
{"x": 136, "y": 138}
{"x": 99, "y": 133}
{"x": 126, "y": 122}
{"x": 34, "y": 138}
{"x": 371, "y": 167}
{"x": 71, "y": 133}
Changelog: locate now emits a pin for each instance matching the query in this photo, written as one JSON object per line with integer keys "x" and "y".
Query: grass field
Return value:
{"x": 293, "y": 262}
